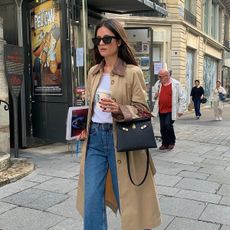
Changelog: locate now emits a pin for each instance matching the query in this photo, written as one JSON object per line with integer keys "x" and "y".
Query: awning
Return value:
{"x": 124, "y": 6}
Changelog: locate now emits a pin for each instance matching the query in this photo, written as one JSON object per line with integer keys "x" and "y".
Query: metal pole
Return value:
{"x": 84, "y": 20}
{"x": 15, "y": 105}
{"x": 22, "y": 98}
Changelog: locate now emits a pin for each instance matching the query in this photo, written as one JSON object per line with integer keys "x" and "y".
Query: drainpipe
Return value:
{"x": 22, "y": 98}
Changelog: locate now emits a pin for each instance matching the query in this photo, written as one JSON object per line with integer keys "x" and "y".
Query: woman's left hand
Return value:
{"x": 109, "y": 105}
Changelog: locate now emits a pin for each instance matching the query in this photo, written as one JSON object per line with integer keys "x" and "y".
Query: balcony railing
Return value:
{"x": 189, "y": 17}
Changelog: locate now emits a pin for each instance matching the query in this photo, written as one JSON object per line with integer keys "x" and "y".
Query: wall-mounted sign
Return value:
{"x": 46, "y": 48}
{"x": 14, "y": 68}
{"x": 157, "y": 67}
{"x": 79, "y": 57}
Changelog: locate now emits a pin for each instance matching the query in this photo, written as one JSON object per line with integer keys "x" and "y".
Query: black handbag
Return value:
{"x": 222, "y": 97}
{"x": 136, "y": 135}
{"x": 203, "y": 100}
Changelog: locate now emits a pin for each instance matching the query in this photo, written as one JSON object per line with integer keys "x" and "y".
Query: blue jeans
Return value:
{"x": 196, "y": 102}
{"x": 100, "y": 157}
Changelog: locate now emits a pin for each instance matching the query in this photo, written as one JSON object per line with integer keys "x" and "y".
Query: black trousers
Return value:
{"x": 166, "y": 129}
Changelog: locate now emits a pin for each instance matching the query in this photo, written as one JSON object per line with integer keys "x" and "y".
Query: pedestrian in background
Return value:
{"x": 218, "y": 100}
{"x": 197, "y": 93}
{"x": 104, "y": 178}
{"x": 170, "y": 103}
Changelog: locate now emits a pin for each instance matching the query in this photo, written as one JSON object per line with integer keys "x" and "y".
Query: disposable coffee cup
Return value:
{"x": 101, "y": 94}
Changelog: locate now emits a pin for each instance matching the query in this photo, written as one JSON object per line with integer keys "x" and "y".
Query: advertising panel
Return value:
{"x": 46, "y": 48}
{"x": 14, "y": 68}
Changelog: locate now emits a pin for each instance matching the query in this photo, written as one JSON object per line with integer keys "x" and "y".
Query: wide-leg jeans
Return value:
{"x": 100, "y": 157}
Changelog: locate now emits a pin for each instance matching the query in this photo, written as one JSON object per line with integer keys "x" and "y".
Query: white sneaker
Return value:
{"x": 220, "y": 118}
{"x": 217, "y": 118}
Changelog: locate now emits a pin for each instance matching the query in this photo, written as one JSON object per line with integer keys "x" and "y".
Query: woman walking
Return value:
{"x": 116, "y": 92}
{"x": 197, "y": 94}
{"x": 218, "y": 100}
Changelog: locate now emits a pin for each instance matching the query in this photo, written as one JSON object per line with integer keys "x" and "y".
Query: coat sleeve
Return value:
{"x": 202, "y": 91}
{"x": 155, "y": 89}
{"x": 138, "y": 107}
{"x": 181, "y": 99}
{"x": 223, "y": 90}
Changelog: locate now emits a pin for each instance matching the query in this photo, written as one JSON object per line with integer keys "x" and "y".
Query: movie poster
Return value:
{"x": 46, "y": 48}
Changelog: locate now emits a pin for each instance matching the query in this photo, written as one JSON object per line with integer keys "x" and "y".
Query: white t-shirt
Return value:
{"x": 103, "y": 90}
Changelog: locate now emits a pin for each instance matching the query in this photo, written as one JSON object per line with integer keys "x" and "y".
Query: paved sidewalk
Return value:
{"x": 193, "y": 182}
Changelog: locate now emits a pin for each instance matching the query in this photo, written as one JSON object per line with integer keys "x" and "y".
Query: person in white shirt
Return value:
{"x": 218, "y": 100}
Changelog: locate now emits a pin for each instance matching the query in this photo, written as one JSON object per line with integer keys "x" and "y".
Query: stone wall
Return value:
{"x": 4, "y": 115}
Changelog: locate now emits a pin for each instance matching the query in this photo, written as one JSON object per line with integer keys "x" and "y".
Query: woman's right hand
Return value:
{"x": 83, "y": 135}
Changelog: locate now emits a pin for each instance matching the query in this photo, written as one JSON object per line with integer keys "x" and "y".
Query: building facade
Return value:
{"x": 193, "y": 40}
{"x": 4, "y": 100}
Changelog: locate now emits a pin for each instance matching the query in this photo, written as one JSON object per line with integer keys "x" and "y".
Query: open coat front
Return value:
{"x": 138, "y": 205}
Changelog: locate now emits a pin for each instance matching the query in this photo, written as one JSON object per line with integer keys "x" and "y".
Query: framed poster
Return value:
{"x": 46, "y": 48}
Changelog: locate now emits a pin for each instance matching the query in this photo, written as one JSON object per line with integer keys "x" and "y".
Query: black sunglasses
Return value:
{"x": 106, "y": 40}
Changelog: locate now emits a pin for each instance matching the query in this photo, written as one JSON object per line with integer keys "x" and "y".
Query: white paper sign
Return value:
{"x": 157, "y": 67}
{"x": 79, "y": 57}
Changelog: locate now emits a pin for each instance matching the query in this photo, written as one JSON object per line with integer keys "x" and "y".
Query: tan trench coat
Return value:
{"x": 139, "y": 206}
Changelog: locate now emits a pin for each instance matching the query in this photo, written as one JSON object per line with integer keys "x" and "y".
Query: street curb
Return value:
{"x": 18, "y": 169}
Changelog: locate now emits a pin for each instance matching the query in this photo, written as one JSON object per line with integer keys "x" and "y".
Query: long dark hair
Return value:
{"x": 124, "y": 50}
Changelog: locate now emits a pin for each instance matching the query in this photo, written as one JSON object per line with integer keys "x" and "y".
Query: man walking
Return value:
{"x": 170, "y": 103}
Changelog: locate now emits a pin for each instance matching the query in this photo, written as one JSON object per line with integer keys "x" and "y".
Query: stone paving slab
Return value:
{"x": 196, "y": 175}
{"x": 167, "y": 191}
{"x": 162, "y": 179}
{"x": 220, "y": 178}
{"x": 192, "y": 168}
{"x": 225, "y": 227}
{"x": 35, "y": 220}
{"x": 224, "y": 190}
{"x": 181, "y": 207}
{"x": 216, "y": 162}
{"x": 167, "y": 171}
{"x": 67, "y": 208}
{"x": 166, "y": 220}
{"x": 36, "y": 177}
{"x": 5, "y": 207}
{"x": 58, "y": 172}
{"x": 225, "y": 200}
{"x": 68, "y": 224}
{"x": 216, "y": 214}
{"x": 198, "y": 185}
{"x": 199, "y": 196}
{"x": 188, "y": 224}
{"x": 174, "y": 159}
{"x": 58, "y": 185}
{"x": 213, "y": 169}
{"x": 36, "y": 199}
{"x": 15, "y": 187}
